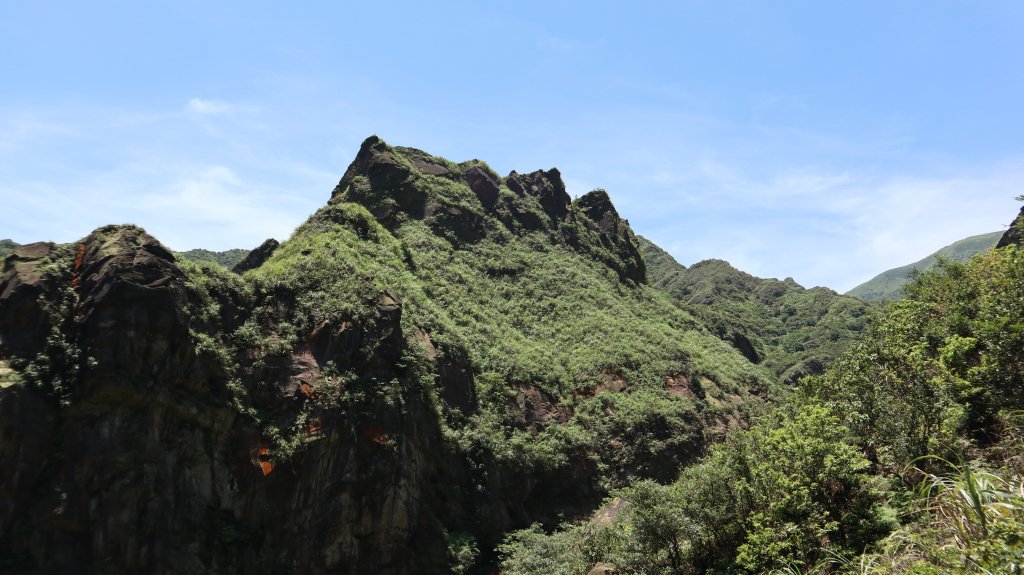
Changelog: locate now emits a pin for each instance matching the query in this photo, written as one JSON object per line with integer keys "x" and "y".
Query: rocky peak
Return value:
{"x": 597, "y": 206}
{"x": 618, "y": 247}
{"x": 375, "y": 160}
{"x": 466, "y": 202}
{"x": 1015, "y": 234}
{"x": 256, "y": 257}
{"x": 546, "y": 186}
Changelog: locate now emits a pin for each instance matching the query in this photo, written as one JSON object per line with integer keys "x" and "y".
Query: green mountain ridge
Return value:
{"x": 889, "y": 284}
{"x": 437, "y": 356}
{"x": 227, "y": 258}
{"x": 790, "y": 330}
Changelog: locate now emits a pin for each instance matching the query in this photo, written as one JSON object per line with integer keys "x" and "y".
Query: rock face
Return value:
{"x": 326, "y": 414}
{"x": 129, "y": 457}
{"x": 23, "y": 325}
{"x": 1015, "y": 234}
{"x": 256, "y": 257}
{"x": 485, "y": 185}
{"x": 616, "y": 235}
{"x": 390, "y": 182}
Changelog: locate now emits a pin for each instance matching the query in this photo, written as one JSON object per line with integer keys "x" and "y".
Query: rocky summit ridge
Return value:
{"x": 437, "y": 356}
{"x": 398, "y": 182}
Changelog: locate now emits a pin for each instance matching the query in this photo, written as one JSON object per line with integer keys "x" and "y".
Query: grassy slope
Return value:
{"x": 889, "y": 284}
{"x": 903, "y": 458}
{"x": 529, "y": 310}
{"x": 793, "y": 330}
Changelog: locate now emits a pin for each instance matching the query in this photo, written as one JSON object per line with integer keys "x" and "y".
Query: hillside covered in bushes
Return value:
{"x": 905, "y": 456}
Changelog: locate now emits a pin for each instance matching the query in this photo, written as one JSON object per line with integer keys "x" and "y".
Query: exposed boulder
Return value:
{"x": 256, "y": 257}
{"x": 544, "y": 185}
{"x": 485, "y": 185}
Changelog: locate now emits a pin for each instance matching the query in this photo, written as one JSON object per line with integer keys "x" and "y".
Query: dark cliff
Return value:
{"x": 435, "y": 357}
{"x": 1014, "y": 235}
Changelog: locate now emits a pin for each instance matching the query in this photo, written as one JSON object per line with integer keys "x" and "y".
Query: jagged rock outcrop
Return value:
{"x": 1014, "y": 235}
{"x": 256, "y": 257}
{"x": 392, "y": 181}
{"x": 616, "y": 236}
{"x": 546, "y": 187}
{"x": 24, "y": 325}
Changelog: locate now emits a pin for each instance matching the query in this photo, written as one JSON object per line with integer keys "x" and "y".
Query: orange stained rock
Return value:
{"x": 75, "y": 278}
{"x": 266, "y": 466}
{"x": 374, "y": 433}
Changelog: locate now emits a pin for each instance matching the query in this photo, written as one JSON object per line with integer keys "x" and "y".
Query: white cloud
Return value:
{"x": 211, "y": 207}
{"x": 831, "y": 229}
{"x": 22, "y": 131}
{"x": 204, "y": 107}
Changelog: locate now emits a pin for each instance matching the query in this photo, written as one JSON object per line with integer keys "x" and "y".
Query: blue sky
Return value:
{"x": 825, "y": 141}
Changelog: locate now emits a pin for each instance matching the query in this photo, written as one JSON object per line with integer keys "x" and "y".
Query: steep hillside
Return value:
{"x": 790, "y": 330}
{"x": 889, "y": 284}
{"x": 905, "y": 457}
{"x": 437, "y": 356}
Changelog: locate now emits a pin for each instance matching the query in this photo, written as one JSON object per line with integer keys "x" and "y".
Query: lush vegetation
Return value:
{"x": 888, "y": 285}
{"x": 906, "y": 456}
{"x": 226, "y": 259}
{"x": 901, "y": 453}
{"x": 790, "y": 330}
{"x": 537, "y": 319}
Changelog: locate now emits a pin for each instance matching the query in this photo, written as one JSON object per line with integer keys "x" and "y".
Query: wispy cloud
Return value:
{"x": 22, "y": 130}
{"x": 834, "y": 229}
{"x": 206, "y": 183}
{"x": 198, "y": 206}
{"x": 207, "y": 107}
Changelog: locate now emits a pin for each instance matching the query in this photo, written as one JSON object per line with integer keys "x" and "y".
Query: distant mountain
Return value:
{"x": 791, "y": 330}
{"x": 6, "y": 247}
{"x": 228, "y": 258}
{"x": 889, "y": 284}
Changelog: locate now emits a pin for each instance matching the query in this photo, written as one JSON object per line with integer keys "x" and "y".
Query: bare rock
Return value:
{"x": 257, "y": 257}
{"x": 485, "y": 185}
{"x": 1015, "y": 234}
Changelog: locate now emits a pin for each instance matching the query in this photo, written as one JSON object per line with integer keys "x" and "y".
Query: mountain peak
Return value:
{"x": 468, "y": 201}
